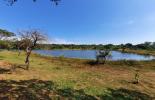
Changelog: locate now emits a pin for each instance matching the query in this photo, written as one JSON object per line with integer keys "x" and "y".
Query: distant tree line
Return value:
{"x": 13, "y": 43}
{"x": 142, "y": 46}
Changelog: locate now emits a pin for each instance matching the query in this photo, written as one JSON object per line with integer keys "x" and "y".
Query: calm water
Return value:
{"x": 91, "y": 54}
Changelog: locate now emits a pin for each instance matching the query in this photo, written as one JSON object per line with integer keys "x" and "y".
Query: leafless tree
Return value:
{"x": 29, "y": 40}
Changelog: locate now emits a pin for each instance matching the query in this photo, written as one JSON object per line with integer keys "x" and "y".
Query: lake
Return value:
{"x": 91, "y": 54}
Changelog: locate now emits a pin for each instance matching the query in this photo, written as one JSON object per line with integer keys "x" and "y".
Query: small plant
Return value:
{"x": 61, "y": 56}
{"x": 136, "y": 77}
{"x": 102, "y": 56}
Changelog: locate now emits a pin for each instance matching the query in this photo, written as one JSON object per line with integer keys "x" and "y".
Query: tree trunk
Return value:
{"x": 28, "y": 53}
{"x": 19, "y": 51}
{"x": 27, "y": 61}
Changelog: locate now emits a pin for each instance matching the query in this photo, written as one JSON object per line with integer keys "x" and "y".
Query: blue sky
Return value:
{"x": 84, "y": 21}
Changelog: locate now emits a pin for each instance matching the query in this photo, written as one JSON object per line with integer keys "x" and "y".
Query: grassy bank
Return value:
{"x": 64, "y": 78}
{"x": 141, "y": 52}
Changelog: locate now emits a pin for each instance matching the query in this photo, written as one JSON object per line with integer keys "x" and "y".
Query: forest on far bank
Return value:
{"x": 12, "y": 44}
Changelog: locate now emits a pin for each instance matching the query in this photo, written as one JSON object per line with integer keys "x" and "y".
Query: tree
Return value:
{"x": 4, "y": 43}
{"x": 11, "y": 2}
{"x": 129, "y": 45}
{"x": 5, "y": 33}
{"x": 123, "y": 47}
{"x": 102, "y": 55}
{"x": 146, "y": 45}
{"x": 109, "y": 46}
{"x": 18, "y": 45}
{"x": 29, "y": 40}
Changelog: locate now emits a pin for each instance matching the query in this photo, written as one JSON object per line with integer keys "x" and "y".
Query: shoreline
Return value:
{"x": 86, "y": 60}
{"x": 140, "y": 52}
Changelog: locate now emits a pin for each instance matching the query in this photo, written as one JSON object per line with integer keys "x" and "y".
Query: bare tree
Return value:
{"x": 29, "y": 40}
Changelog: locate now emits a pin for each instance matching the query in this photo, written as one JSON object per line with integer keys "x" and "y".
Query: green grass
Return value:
{"x": 64, "y": 78}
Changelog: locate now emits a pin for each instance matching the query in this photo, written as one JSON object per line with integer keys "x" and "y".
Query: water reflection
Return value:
{"x": 91, "y": 54}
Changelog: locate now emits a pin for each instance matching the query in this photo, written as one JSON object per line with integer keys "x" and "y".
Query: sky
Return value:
{"x": 83, "y": 21}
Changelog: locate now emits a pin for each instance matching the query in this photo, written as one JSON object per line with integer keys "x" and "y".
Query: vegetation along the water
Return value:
{"x": 77, "y": 50}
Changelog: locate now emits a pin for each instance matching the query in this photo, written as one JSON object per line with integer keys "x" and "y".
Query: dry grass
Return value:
{"x": 109, "y": 81}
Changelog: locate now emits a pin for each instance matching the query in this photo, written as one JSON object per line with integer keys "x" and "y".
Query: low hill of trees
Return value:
{"x": 12, "y": 44}
{"x": 142, "y": 46}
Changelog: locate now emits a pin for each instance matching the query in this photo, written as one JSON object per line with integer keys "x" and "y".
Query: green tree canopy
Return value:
{"x": 5, "y": 33}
